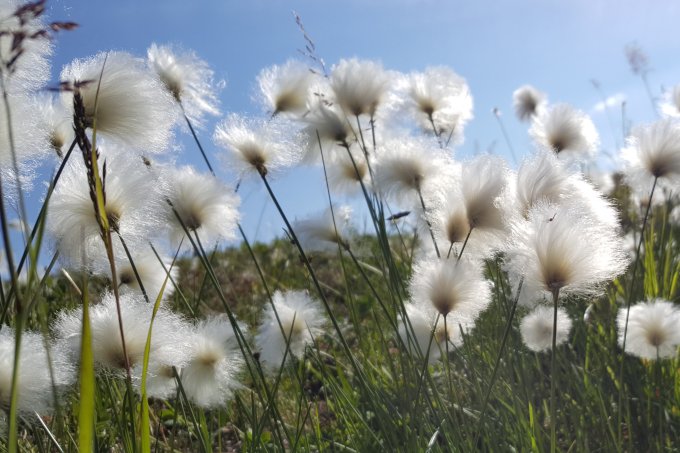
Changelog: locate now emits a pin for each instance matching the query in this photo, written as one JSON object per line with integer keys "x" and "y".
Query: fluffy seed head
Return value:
{"x": 34, "y": 381}
{"x": 169, "y": 339}
{"x": 450, "y": 287}
{"x": 653, "y": 151}
{"x": 478, "y": 200}
{"x": 487, "y": 199}
{"x": 151, "y": 271}
{"x": 31, "y": 70}
{"x": 528, "y": 102}
{"x": 332, "y": 127}
{"x": 187, "y": 78}
{"x": 210, "y": 377}
{"x": 407, "y": 166}
{"x": 205, "y": 206}
{"x": 441, "y": 96}
{"x": 565, "y": 131}
{"x": 132, "y": 106}
{"x": 72, "y": 222}
{"x": 323, "y": 233}
{"x": 562, "y": 248}
{"x": 30, "y": 142}
{"x": 543, "y": 178}
{"x": 256, "y": 146}
{"x": 415, "y": 332}
{"x": 345, "y": 173}
{"x": 285, "y": 88}
{"x": 537, "y": 328}
{"x": 653, "y": 329}
{"x": 57, "y": 124}
{"x": 300, "y": 321}
{"x": 359, "y": 86}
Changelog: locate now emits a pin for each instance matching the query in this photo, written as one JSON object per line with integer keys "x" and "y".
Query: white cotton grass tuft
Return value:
{"x": 30, "y": 143}
{"x": 653, "y": 329}
{"x": 300, "y": 321}
{"x": 488, "y": 200}
{"x": 151, "y": 272}
{"x": 416, "y": 331}
{"x": 133, "y": 107}
{"x": 541, "y": 177}
{"x": 451, "y": 287}
{"x": 528, "y": 102}
{"x": 55, "y": 121}
{"x": 285, "y": 89}
{"x": 31, "y": 70}
{"x": 478, "y": 206}
{"x": 169, "y": 339}
{"x": 567, "y": 132}
{"x": 537, "y": 328}
{"x": 325, "y": 232}
{"x": 71, "y": 220}
{"x": 188, "y": 79}
{"x": 328, "y": 127}
{"x": 205, "y": 207}
{"x": 440, "y": 96}
{"x": 562, "y": 248}
{"x": 653, "y": 152}
{"x": 346, "y": 174}
{"x": 257, "y": 146}
{"x": 544, "y": 178}
{"x": 359, "y": 86}
{"x": 211, "y": 375}
{"x": 409, "y": 167}
{"x": 35, "y": 390}
{"x": 670, "y": 106}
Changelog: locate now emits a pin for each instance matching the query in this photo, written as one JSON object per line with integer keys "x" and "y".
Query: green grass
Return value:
{"x": 387, "y": 403}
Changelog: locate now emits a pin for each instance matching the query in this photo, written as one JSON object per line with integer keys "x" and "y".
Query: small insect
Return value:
{"x": 398, "y": 216}
{"x": 553, "y": 217}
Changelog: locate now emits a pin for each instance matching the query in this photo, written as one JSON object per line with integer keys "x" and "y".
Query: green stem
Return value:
{"x": 462, "y": 249}
{"x": 427, "y": 221}
{"x": 629, "y": 300}
{"x": 198, "y": 143}
{"x": 553, "y": 376}
{"x": 496, "y": 365}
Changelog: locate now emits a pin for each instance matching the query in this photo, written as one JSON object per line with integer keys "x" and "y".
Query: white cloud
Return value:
{"x": 612, "y": 101}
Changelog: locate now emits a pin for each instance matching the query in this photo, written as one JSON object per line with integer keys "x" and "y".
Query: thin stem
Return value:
{"x": 460, "y": 254}
{"x": 427, "y": 221}
{"x": 315, "y": 281}
{"x": 134, "y": 267}
{"x": 629, "y": 301}
{"x": 14, "y": 392}
{"x": 198, "y": 143}
{"x": 494, "y": 373}
{"x": 497, "y": 114}
{"x": 446, "y": 359}
{"x": 361, "y": 137}
{"x": 116, "y": 294}
{"x": 43, "y": 208}
{"x": 553, "y": 376}
{"x": 243, "y": 344}
{"x": 435, "y": 131}
{"x": 372, "y": 122}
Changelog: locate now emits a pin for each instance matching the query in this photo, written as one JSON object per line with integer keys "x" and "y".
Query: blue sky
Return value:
{"x": 558, "y": 46}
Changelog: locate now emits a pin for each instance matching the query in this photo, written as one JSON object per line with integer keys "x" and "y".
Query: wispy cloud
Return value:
{"x": 612, "y": 101}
